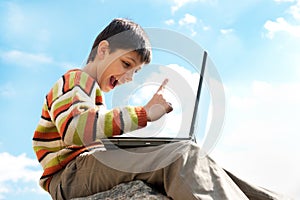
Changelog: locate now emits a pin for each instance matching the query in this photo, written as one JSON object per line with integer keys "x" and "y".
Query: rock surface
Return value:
{"x": 133, "y": 190}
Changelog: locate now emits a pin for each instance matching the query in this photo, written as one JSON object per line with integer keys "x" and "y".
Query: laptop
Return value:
{"x": 131, "y": 142}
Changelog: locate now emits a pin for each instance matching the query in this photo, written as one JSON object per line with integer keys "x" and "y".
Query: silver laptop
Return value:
{"x": 130, "y": 142}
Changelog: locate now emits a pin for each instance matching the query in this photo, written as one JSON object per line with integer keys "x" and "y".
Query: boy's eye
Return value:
{"x": 126, "y": 64}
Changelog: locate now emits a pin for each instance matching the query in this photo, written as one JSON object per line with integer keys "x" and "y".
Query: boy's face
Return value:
{"x": 117, "y": 68}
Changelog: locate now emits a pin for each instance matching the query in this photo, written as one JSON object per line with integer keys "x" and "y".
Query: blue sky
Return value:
{"x": 253, "y": 43}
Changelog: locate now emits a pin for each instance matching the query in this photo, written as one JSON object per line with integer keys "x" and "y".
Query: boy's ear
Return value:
{"x": 103, "y": 48}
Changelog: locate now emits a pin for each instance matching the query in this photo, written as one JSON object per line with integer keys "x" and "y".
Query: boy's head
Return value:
{"x": 124, "y": 34}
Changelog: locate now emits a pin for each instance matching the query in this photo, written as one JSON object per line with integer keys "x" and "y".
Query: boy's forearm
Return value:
{"x": 81, "y": 124}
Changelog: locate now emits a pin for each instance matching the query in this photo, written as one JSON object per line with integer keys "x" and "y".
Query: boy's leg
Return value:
{"x": 254, "y": 192}
{"x": 99, "y": 171}
{"x": 176, "y": 168}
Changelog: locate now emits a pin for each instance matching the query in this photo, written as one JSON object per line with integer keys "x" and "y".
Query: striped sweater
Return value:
{"x": 73, "y": 121}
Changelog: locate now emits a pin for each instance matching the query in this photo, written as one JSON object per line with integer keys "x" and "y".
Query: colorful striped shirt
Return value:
{"x": 73, "y": 121}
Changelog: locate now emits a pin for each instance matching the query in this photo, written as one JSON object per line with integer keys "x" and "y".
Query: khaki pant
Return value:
{"x": 175, "y": 169}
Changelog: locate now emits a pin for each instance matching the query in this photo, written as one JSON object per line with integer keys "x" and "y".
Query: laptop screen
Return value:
{"x": 181, "y": 92}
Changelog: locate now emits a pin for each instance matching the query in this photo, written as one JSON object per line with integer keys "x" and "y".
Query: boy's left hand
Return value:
{"x": 158, "y": 106}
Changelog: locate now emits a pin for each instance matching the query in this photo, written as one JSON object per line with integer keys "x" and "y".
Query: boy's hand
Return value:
{"x": 158, "y": 106}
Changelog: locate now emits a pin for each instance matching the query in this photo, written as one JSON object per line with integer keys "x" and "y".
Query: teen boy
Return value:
{"x": 67, "y": 140}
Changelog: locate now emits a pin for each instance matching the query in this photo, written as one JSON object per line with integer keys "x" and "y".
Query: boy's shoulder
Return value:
{"x": 73, "y": 74}
{"x": 77, "y": 78}
{"x": 72, "y": 79}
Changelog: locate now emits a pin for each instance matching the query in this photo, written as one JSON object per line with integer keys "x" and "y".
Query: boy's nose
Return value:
{"x": 128, "y": 76}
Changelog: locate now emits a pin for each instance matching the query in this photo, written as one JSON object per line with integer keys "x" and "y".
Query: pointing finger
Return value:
{"x": 162, "y": 86}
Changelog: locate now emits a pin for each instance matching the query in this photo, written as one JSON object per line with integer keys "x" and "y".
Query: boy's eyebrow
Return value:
{"x": 129, "y": 57}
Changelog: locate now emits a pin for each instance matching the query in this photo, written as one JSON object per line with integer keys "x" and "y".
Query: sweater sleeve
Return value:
{"x": 76, "y": 108}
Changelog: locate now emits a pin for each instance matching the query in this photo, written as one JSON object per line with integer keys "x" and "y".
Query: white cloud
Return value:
{"x": 188, "y": 19}
{"x": 170, "y": 22}
{"x": 32, "y": 60}
{"x": 295, "y": 10}
{"x": 3, "y": 190}
{"x": 190, "y": 23}
{"x": 180, "y": 3}
{"x": 281, "y": 24}
{"x": 19, "y": 171}
{"x": 262, "y": 126}
{"x": 143, "y": 94}
{"x": 16, "y": 168}
{"x": 226, "y": 31}
{"x": 24, "y": 58}
{"x": 190, "y": 77}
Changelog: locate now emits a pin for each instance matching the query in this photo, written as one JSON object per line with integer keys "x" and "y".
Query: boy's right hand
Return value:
{"x": 158, "y": 106}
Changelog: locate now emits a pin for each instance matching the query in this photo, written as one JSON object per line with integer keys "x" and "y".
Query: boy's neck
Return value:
{"x": 91, "y": 69}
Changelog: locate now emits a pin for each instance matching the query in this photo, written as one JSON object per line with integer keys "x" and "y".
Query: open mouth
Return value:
{"x": 113, "y": 81}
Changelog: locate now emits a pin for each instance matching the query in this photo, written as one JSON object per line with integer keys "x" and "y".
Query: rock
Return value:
{"x": 134, "y": 190}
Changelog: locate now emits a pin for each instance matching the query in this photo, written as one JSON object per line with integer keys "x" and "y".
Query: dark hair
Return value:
{"x": 124, "y": 34}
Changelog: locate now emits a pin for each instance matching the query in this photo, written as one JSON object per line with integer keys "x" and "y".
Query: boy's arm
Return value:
{"x": 122, "y": 120}
{"x": 79, "y": 120}
{"x": 158, "y": 106}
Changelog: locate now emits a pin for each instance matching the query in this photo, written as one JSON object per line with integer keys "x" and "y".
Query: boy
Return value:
{"x": 67, "y": 140}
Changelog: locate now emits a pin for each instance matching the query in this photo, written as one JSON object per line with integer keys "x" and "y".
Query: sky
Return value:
{"x": 254, "y": 45}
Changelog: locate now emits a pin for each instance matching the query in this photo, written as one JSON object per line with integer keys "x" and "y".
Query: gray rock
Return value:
{"x": 132, "y": 190}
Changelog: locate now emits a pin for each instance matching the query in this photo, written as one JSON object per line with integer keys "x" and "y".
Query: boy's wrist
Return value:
{"x": 142, "y": 116}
